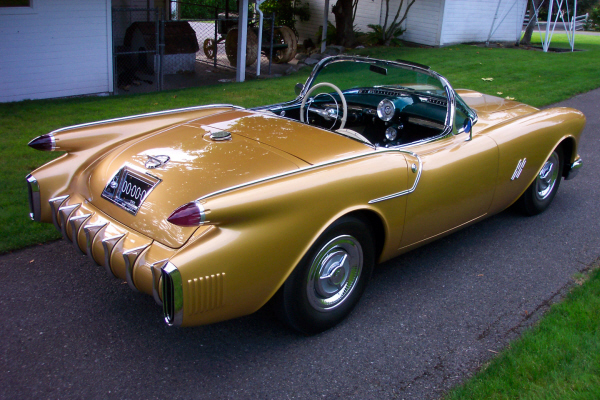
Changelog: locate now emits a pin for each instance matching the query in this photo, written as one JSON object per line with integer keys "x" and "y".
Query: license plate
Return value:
{"x": 128, "y": 189}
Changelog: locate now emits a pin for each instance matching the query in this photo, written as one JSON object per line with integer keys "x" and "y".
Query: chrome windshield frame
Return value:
{"x": 450, "y": 126}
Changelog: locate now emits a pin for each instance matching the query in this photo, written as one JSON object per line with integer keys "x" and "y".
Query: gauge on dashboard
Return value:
{"x": 386, "y": 110}
{"x": 391, "y": 134}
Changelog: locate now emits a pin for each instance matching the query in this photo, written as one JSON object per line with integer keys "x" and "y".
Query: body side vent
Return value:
{"x": 205, "y": 293}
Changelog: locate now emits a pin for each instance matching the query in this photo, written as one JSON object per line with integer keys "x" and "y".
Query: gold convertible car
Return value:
{"x": 218, "y": 210}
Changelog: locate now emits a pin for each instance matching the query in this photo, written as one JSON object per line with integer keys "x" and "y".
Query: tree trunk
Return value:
{"x": 343, "y": 10}
{"x": 532, "y": 23}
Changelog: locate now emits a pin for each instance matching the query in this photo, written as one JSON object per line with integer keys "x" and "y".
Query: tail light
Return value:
{"x": 45, "y": 142}
{"x": 190, "y": 214}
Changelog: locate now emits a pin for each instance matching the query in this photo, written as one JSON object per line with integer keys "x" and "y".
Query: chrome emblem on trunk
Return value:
{"x": 156, "y": 161}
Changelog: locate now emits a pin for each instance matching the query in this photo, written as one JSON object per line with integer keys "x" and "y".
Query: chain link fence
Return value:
{"x": 136, "y": 61}
{"x": 152, "y": 54}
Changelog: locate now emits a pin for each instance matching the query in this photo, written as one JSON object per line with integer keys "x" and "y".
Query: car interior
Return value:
{"x": 381, "y": 109}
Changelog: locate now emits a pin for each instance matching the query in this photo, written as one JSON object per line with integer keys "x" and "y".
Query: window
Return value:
{"x": 13, "y": 7}
{"x": 15, "y": 3}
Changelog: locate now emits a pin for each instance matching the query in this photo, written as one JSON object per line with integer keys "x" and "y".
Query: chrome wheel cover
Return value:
{"x": 546, "y": 179}
{"x": 334, "y": 273}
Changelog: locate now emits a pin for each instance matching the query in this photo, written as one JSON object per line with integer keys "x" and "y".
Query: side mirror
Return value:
{"x": 298, "y": 88}
{"x": 468, "y": 128}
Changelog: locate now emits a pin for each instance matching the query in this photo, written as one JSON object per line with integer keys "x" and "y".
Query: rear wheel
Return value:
{"x": 542, "y": 190}
{"x": 330, "y": 278}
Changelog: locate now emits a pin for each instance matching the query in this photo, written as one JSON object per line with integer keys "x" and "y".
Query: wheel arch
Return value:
{"x": 569, "y": 152}
{"x": 375, "y": 223}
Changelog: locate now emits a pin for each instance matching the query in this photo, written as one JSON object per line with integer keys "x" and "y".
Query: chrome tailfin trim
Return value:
{"x": 35, "y": 206}
{"x": 109, "y": 244}
{"x": 130, "y": 257}
{"x": 90, "y": 233}
{"x": 156, "y": 269}
{"x": 55, "y": 204}
{"x": 76, "y": 223}
{"x": 64, "y": 214}
{"x": 172, "y": 294}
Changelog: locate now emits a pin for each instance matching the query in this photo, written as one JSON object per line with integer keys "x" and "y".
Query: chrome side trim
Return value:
{"x": 90, "y": 234}
{"x": 35, "y": 205}
{"x": 152, "y": 114}
{"x": 64, "y": 214}
{"x": 172, "y": 289}
{"x": 109, "y": 244}
{"x": 76, "y": 223}
{"x": 156, "y": 275}
{"x": 408, "y": 191}
{"x": 130, "y": 257}
{"x": 519, "y": 169}
{"x": 308, "y": 168}
{"x": 574, "y": 169}
{"x": 55, "y": 204}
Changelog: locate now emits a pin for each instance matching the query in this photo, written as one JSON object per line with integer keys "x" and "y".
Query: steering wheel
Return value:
{"x": 324, "y": 113}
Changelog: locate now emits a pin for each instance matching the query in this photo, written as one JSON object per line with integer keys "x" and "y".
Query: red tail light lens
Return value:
{"x": 45, "y": 143}
{"x": 190, "y": 214}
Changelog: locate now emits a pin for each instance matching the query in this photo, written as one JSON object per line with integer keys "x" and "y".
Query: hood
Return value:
{"x": 260, "y": 146}
{"x": 492, "y": 110}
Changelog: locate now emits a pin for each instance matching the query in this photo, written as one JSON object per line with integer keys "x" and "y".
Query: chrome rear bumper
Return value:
{"x": 574, "y": 169}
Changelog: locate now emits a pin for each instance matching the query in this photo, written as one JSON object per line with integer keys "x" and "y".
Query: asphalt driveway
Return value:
{"x": 427, "y": 321}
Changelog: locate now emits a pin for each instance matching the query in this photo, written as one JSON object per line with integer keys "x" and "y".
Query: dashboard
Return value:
{"x": 386, "y": 117}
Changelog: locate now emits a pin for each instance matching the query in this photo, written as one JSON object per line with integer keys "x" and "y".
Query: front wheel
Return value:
{"x": 542, "y": 190}
{"x": 330, "y": 278}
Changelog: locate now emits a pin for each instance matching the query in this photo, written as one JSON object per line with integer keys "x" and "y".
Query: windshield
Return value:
{"x": 349, "y": 75}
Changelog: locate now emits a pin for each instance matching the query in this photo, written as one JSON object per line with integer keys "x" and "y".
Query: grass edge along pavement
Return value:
{"x": 558, "y": 358}
{"x": 531, "y": 78}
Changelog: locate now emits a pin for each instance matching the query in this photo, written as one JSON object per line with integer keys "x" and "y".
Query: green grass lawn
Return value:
{"x": 558, "y": 359}
{"x": 533, "y": 77}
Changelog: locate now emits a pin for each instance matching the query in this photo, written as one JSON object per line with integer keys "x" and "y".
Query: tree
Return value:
{"x": 533, "y": 5}
{"x": 387, "y": 33}
{"x": 343, "y": 10}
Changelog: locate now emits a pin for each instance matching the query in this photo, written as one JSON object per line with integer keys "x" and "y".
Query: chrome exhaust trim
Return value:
{"x": 65, "y": 213}
{"x": 76, "y": 223}
{"x": 130, "y": 257}
{"x": 172, "y": 294}
{"x": 35, "y": 206}
{"x": 155, "y": 269}
{"x": 90, "y": 233}
{"x": 55, "y": 204}
{"x": 109, "y": 244}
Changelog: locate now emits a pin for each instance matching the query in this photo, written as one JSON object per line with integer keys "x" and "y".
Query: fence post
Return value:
{"x": 272, "y": 35}
{"x": 157, "y": 60}
{"x": 114, "y": 56}
{"x": 161, "y": 52}
{"x": 215, "y": 42}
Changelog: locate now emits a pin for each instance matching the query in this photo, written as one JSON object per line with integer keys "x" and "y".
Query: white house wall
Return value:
{"x": 471, "y": 21}
{"x": 368, "y": 12}
{"x": 60, "y": 48}
{"x": 424, "y": 22}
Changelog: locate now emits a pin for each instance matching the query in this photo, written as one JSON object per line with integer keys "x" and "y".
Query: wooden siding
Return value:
{"x": 62, "y": 48}
{"x": 469, "y": 21}
{"x": 424, "y": 22}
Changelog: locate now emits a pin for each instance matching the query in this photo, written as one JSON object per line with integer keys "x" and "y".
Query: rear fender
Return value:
{"x": 524, "y": 145}
{"x": 261, "y": 232}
